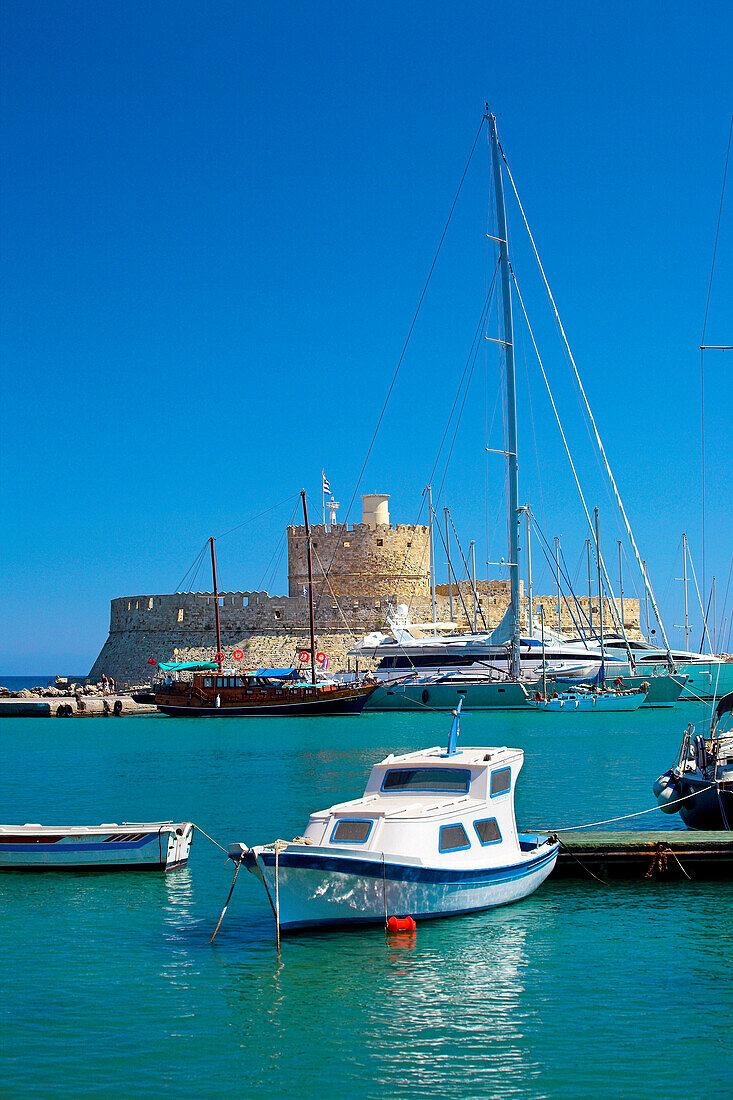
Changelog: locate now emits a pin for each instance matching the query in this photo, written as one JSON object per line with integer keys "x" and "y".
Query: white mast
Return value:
{"x": 511, "y": 403}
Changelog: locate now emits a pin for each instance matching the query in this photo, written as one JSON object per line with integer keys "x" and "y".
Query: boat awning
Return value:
{"x": 187, "y": 666}
{"x": 274, "y": 673}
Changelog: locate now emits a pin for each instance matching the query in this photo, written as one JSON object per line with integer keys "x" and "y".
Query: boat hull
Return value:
{"x": 569, "y": 704}
{"x": 350, "y": 704}
{"x": 712, "y": 806}
{"x": 158, "y": 850}
{"x": 316, "y": 890}
{"x": 445, "y": 696}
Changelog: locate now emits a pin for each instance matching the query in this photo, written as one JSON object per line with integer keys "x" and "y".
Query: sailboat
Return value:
{"x": 214, "y": 691}
{"x": 500, "y": 668}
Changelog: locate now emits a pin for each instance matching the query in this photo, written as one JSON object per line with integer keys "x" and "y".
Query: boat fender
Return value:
{"x": 217, "y": 702}
{"x": 662, "y": 782}
{"x": 667, "y": 799}
{"x": 425, "y": 695}
{"x": 117, "y": 708}
{"x": 401, "y": 924}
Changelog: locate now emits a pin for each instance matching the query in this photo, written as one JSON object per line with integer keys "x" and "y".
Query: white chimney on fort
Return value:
{"x": 376, "y": 509}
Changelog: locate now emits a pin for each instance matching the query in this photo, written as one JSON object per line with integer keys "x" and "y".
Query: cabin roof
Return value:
{"x": 463, "y": 758}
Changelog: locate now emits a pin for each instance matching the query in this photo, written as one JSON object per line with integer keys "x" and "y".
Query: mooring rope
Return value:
{"x": 214, "y": 842}
{"x": 627, "y": 817}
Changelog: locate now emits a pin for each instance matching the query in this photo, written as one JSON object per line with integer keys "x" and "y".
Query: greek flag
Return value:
{"x": 326, "y": 486}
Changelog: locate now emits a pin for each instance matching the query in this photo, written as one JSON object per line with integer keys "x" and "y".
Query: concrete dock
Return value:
{"x": 653, "y": 854}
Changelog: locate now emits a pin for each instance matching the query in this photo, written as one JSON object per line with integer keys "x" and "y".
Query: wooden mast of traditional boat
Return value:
{"x": 310, "y": 588}
{"x": 219, "y": 658}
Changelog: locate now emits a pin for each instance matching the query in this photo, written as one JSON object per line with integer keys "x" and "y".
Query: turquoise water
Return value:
{"x": 109, "y": 987}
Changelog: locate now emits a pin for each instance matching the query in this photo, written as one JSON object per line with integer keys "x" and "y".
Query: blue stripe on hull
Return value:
{"x": 395, "y": 872}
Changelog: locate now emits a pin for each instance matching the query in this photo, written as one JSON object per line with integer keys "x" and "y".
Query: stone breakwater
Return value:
{"x": 88, "y": 700}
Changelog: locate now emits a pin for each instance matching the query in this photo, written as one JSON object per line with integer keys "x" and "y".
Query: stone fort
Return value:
{"x": 359, "y": 572}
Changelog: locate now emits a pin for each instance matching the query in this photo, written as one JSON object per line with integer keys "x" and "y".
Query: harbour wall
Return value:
{"x": 271, "y": 630}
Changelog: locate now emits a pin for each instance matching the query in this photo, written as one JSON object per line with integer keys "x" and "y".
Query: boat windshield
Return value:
{"x": 453, "y": 780}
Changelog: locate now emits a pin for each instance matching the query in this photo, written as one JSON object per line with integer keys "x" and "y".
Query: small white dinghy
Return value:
{"x": 434, "y": 834}
{"x": 151, "y": 846}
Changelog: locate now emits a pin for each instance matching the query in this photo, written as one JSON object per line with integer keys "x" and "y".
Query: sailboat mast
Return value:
{"x": 511, "y": 401}
{"x": 429, "y": 491}
{"x": 600, "y": 592}
{"x": 216, "y": 604}
{"x": 530, "y": 590}
{"x": 684, "y": 582}
{"x": 310, "y": 588}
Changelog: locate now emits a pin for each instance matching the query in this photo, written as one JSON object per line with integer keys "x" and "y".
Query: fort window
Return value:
{"x": 347, "y": 544}
{"x": 150, "y": 602}
{"x": 128, "y": 605}
{"x": 380, "y": 542}
{"x": 409, "y": 545}
{"x": 137, "y": 605}
{"x": 278, "y": 613}
{"x": 180, "y": 614}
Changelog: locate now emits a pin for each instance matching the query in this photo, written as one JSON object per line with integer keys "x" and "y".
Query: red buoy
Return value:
{"x": 401, "y": 924}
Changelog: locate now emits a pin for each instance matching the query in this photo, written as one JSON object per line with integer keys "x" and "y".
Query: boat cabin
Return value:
{"x": 444, "y": 809}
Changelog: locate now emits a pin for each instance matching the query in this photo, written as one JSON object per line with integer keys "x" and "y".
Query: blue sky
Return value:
{"x": 217, "y": 220}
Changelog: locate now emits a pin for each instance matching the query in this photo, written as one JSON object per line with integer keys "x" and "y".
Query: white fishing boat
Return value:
{"x": 151, "y": 846}
{"x": 433, "y": 835}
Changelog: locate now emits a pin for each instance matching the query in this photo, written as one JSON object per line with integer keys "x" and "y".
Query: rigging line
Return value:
{"x": 591, "y": 525}
{"x": 566, "y": 573}
{"x": 470, "y": 581}
{"x": 409, "y": 333}
{"x": 702, "y": 352}
{"x": 471, "y": 355}
{"x": 546, "y": 550}
{"x": 725, "y": 604}
{"x": 699, "y": 599}
{"x": 195, "y": 562}
{"x": 258, "y": 516}
{"x": 452, "y": 575}
{"x": 599, "y": 444}
{"x": 333, "y": 594}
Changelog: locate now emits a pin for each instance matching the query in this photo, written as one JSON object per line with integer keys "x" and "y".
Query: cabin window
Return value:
{"x": 220, "y": 681}
{"x": 488, "y": 830}
{"x": 453, "y": 780}
{"x": 501, "y": 781}
{"x": 180, "y": 614}
{"x": 453, "y": 838}
{"x": 208, "y": 681}
{"x": 351, "y": 832}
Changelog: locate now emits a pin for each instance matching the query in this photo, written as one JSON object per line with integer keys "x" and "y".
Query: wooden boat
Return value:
{"x": 258, "y": 692}
{"x": 433, "y": 835}
{"x": 214, "y": 691}
{"x": 150, "y": 846}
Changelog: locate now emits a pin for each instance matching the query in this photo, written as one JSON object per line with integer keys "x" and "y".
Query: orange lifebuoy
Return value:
{"x": 304, "y": 656}
{"x": 238, "y": 654}
{"x": 320, "y": 657}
